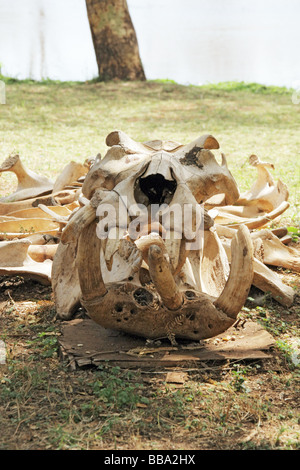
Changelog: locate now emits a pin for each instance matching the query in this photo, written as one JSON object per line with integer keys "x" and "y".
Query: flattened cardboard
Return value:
{"x": 85, "y": 343}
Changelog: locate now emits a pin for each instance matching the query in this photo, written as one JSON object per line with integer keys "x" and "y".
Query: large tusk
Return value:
{"x": 240, "y": 278}
{"x": 81, "y": 219}
{"x": 89, "y": 268}
{"x": 65, "y": 281}
{"x": 163, "y": 279}
{"x": 264, "y": 193}
{"x": 268, "y": 281}
{"x": 234, "y": 221}
{"x": 42, "y": 252}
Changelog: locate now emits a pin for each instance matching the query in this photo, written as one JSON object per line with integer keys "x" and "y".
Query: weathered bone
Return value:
{"x": 15, "y": 261}
{"x": 62, "y": 220}
{"x": 65, "y": 197}
{"x": 125, "y": 142}
{"x": 89, "y": 268}
{"x": 82, "y": 217}
{"x": 167, "y": 145}
{"x": 198, "y": 167}
{"x": 64, "y": 279}
{"x": 30, "y": 184}
{"x": 222, "y": 217}
{"x": 144, "y": 242}
{"x": 240, "y": 278}
{"x": 205, "y": 177}
{"x": 274, "y": 250}
{"x": 264, "y": 193}
{"x": 40, "y": 212}
{"x": 268, "y": 281}
{"x": 111, "y": 247}
{"x": 72, "y": 172}
{"x": 275, "y": 253}
{"x": 206, "y": 141}
{"x": 21, "y": 228}
{"x": 214, "y": 266}
{"x": 173, "y": 246}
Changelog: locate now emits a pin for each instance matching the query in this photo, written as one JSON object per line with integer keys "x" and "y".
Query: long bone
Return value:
{"x": 16, "y": 261}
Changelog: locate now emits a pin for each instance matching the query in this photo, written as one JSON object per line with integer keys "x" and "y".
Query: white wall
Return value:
{"x": 190, "y": 41}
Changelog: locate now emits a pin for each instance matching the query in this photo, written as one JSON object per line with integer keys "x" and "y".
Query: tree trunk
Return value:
{"x": 115, "y": 40}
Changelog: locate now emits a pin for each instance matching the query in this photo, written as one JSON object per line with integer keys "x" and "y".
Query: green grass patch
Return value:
{"x": 50, "y": 123}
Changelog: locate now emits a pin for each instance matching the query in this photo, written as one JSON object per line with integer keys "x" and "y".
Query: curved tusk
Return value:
{"x": 89, "y": 268}
{"x": 163, "y": 279}
{"x": 81, "y": 219}
{"x": 240, "y": 278}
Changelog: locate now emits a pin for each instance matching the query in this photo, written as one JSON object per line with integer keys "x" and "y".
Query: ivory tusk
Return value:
{"x": 89, "y": 268}
{"x": 30, "y": 184}
{"x": 240, "y": 277}
{"x": 81, "y": 219}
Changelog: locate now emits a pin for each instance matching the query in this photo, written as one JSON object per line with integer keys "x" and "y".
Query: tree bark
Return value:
{"x": 115, "y": 40}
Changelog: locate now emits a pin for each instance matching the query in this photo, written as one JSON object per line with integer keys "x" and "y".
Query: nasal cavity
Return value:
{"x": 156, "y": 188}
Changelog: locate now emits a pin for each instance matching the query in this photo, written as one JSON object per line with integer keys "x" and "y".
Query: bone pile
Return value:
{"x": 150, "y": 286}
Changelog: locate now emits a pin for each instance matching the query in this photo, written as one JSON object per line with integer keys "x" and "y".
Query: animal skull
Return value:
{"x": 153, "y": 282}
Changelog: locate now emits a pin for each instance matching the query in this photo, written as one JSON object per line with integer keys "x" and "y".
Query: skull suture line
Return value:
{"x": 133, "y": 273}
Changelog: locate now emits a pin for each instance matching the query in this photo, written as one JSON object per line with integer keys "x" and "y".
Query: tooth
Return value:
{"x": 182, "y": 256}
{"x": 112, "y": 245}
{"x": 173, "y": 245}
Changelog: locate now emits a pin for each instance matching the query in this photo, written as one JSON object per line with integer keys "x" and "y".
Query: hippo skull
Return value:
{"x": 135, "y": 273}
